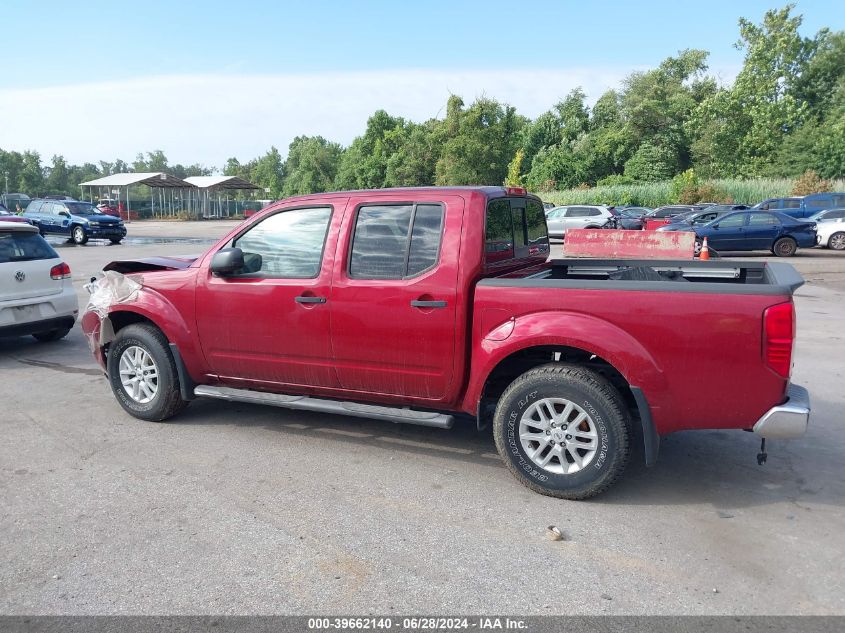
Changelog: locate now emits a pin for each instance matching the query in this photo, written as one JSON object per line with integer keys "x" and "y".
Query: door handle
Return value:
{"x": 417, "y": 303}
{"x": 303, "y": 299}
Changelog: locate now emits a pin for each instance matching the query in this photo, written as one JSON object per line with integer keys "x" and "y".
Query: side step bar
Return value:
{"x": 399, "y": 415}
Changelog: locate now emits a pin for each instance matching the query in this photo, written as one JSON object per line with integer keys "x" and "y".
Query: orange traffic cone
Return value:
{"x": 705, "y": 250}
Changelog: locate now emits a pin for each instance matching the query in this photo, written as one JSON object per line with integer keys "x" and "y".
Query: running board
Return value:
{"x": 399, "y": 415}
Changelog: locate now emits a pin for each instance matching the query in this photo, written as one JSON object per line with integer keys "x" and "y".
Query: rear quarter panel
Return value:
{"x": 697, "y": 357}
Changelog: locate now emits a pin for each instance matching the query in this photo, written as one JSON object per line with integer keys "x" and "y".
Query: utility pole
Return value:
{"x": 6, "y": 174}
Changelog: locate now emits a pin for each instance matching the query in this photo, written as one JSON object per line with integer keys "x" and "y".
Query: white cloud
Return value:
{"x": 208, "y": 118}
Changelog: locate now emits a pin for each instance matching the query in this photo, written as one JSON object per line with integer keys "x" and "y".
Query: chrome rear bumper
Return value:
{"x": 786, "y": 420}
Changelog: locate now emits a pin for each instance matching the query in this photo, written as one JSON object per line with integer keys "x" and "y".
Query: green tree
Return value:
{"x": 657, "y": 103}
{"x": 555, "y": 167}
{"x": 31, "y": 177}
{"x": 58, "y": 178}
{"x": 311, "y": 165}
{"x": 651, "y": 163}
{"x": 480, "y": 141}
{"x": 269, "y": 172}
{"x": 514, "y": 177}
{"x": 413, "y": 163}
{"x": 740, "y": 130}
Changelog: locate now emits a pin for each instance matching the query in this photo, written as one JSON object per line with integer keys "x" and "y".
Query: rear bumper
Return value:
{"x": 35, "y": 327}
{"x": 789, "y": 419}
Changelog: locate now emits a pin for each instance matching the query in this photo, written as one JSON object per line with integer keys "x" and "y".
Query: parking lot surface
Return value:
{"x": 233, "y": 508}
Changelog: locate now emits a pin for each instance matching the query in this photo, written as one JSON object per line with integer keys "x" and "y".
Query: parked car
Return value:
{"x": 754, "y": 231}
{"x": 14, "y": 200}
{"x": 691, "y": 218}
{"x": 387, "y": 304}
{"x": 663, "y": 215}
{"x": 803, "y": 207}
{"x": 79, "y": 221}
{"x": 36, "y": 292}
{"x": 561, "y": 219}
{"x": 634, "y": 212}
{"x": 8, "y": 216}
{"x": 60, "y": 198}
{"x": 831, "y": 234}
{"x": 625, "y": 221}
{"x": 548, "y": 206}
{"x": 828, "y": 215}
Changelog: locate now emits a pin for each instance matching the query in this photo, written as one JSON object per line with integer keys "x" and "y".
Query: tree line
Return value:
{"x": 783, "y": 115}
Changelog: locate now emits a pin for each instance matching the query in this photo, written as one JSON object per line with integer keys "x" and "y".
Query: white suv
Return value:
{"x": 36, "y": 293}
{"x": 576, "y": 217}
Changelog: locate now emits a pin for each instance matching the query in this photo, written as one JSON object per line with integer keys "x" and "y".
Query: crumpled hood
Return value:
{"x": 127, "y": 266}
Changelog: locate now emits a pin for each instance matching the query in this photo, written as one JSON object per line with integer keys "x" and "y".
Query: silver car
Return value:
{"x": 562, "y": 219}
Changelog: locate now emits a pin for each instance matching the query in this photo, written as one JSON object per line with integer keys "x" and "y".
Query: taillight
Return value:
{"x": 516, "y": 191}
{"x": 778, "y": 338}
{"x": 60, "y": 271}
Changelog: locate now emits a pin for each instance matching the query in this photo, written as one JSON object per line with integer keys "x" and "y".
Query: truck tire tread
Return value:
{"x": 596, "y": 388}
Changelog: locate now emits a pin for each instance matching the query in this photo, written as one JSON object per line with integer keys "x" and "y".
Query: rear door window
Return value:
{"x": 823, "y": 202}
{"x": 762, "y": 219}
{"x": 395, "y": 241}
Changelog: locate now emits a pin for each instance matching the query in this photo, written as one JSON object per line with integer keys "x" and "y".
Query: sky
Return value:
{"x": 205, "y": 81}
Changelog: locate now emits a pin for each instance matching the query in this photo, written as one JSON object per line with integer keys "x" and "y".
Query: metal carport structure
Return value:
{"x": 164, "y": 185}
{"x": 209, "y": 185}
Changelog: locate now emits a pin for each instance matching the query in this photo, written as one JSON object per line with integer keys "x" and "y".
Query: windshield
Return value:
{"x": 82, "y": 208}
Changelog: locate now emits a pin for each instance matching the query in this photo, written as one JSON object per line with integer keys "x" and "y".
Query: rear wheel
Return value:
{"x": 79, "y": 235}
{"x": 837, "y": 241}
{"x": 143, "y": 374}
{"x": 52, "y": 335}
{"x": 785, "y": 247}
{"x": 563, "y": 431}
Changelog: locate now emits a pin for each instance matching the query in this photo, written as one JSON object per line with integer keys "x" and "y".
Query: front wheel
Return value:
{"x": 143, "y": 374}
{"x": 837, "y": 241}
{"x": 79, "y": 235}
{"x": 115, "y": 240}
{"x": 563, "y": 431}
{"x": 785, "y": 247}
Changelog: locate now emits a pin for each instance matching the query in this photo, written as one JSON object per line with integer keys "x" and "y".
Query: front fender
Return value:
{"x": 98, "y": 323}
{"x": 570, "y": 329}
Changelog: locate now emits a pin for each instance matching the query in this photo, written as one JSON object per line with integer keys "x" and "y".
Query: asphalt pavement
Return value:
{"x": 240, "y": 509}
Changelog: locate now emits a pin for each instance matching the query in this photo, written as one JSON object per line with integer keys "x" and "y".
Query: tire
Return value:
{"x": 606, "y": 420}
{"x": 78, "y": 235}
{"x": 784, "y": 247}
{"x": 166, "y": 400}
{"x": 51, "y": 335}
{"x": 836, "y": 241}
{"x": 115, "y": 240}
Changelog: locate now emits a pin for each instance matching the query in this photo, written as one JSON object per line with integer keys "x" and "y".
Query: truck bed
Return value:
{"x": 714, "y": 277}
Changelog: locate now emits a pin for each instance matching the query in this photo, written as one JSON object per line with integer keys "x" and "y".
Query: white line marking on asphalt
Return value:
{"x": 298, "y": 426}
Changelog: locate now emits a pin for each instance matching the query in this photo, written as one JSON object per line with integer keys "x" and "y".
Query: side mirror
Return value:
{"x": 227, "y": 261}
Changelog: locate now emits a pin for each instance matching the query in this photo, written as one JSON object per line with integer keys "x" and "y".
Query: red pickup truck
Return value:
{"x": 431, "y": 305}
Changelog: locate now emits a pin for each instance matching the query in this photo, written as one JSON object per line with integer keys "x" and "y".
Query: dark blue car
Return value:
{"x": 755, "y": 231}
{"x": 803, "y": 206}
{"x": 79, "y": 221}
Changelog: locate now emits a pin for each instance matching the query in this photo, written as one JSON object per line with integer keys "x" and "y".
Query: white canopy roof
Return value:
{"x": 151, "y": 179}
{"x": 220, "y": 182}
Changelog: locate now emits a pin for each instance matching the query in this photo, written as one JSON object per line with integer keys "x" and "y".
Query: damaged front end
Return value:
{"x": 111, "y": 289}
